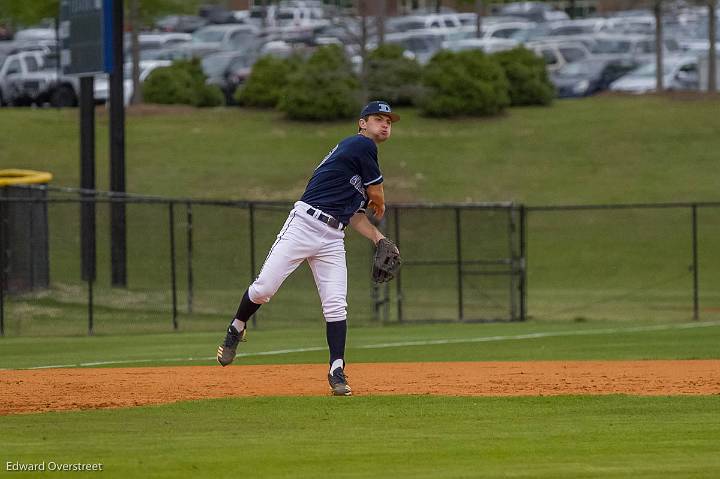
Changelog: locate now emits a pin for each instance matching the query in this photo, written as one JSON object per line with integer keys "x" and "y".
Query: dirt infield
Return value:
{"x": 26, "y": 391}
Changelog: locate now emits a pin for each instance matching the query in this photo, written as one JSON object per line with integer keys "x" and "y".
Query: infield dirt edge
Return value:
{"x": 33, "y": 391}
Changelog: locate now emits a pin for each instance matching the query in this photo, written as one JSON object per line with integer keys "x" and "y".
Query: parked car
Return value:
{"x": 467, "y": 19}
{"x": 419, "y": 44}
{"x": 505, "y": 30}
{"x": 180, "y": 23}
{"x": 422, "y": 22}
{"x": 534, "y": 11}
{"x": 589, "y": 40}
{"x": 227, "y": 70}
{"x": 36, "y": 35}
{"x": 488, "y": 45}
{"x": 181, "y": 52}
{"x": 226, "y": 37}
{"x": 642, "y": 24}
{"x": 216, "y": 14}
{"x": 155, "y": 41}
{"x": 150, "y": 42}
{"x": 679, "y": 73}
{"x": 557, "y": 54}
{"x": 634, "y": 48}
{"x": 28, "y": 78}
{"x": 587, "y": 77}
{"x": 580, "y": 26}
{"x": 16, "y": 88}
{"x": 101, "y": 85}
{"x": 300, "y": 17}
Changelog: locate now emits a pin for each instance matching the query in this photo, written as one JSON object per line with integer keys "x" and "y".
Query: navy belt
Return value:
{"x": 328, "y": 220}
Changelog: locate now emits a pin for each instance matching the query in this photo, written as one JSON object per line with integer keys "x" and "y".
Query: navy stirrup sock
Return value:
{"x": 336, "y": 332}
{"x": 246, "y": 309}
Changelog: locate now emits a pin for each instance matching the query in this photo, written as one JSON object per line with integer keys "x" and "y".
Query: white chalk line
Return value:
{"x": 430, "y": 342}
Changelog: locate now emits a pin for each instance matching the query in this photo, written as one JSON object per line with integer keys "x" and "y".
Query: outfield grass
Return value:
{"x": 427, "y": 437}
{"x": 533, "y": 340}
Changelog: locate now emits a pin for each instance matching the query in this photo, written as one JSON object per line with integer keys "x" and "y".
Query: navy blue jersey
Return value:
{"x": 338, "y": 185}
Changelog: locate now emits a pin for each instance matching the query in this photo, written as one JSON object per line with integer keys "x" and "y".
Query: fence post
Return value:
{"x": 171, "y": 217}
{"x": 189, "y": 231}
{"x": 33, "y": 257}
{"x": 251, "y": 211}
{"x": 398, "y": 280}
{"x": 91, "y": 325}
{"x": 458, "y": 245}
{"x": 696, "y": 297}
{"x": 523, "y": 263}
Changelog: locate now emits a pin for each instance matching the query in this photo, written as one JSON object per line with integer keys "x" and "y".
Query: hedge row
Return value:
{"x": 324, "y": 87}
{"x": 183, "y": 82}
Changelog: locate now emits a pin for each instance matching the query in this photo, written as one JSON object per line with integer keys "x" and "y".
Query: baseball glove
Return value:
{"x": 386, "y": 262}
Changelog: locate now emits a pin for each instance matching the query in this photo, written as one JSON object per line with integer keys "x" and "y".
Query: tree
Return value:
{"x": 467, "y": 83}
{"x": 323, "y": 88}
{"x": 26, "y": 13}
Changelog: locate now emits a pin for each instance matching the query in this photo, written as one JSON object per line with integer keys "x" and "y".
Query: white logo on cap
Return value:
{"x": 384, "y": 107}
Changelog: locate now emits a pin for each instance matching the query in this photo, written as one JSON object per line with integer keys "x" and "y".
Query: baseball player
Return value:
{"x": 344, "y": 184}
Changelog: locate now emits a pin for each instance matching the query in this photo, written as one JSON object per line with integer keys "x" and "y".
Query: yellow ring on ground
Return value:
{"x": 23, "y": 177}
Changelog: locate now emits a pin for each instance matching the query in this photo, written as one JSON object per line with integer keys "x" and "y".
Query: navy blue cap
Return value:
{"x": 379, "y": 108}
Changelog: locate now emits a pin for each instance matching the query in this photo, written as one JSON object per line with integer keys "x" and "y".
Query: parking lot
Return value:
{"x": 583, "y": 56}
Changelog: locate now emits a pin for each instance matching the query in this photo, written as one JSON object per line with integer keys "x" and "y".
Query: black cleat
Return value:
{"x": 228, "y": 349}
{"x": 338, "y": 383}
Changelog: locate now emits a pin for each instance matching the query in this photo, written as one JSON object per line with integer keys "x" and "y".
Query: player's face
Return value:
{"x": 377, "y": 127}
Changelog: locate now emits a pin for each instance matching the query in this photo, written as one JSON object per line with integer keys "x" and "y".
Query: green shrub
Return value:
{"x": 323, "y": 88}
{"x": 267, "y": 80}
{"x": 529, "y": 84}
{"x": 183, "y": 83}
{"x": 393, "y": 77}
{"x": 467, "y": 83}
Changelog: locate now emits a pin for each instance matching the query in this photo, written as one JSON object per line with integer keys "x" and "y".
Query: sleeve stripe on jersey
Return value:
{"x": 373, "y": 181}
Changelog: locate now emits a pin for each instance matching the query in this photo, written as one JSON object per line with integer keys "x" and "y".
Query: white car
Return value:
{"x": 156, "y": 41}
{"x": 407, "y": 23}
{"x": 488, "y": 45}
{"x": 102, "y": 84}
{"x": 35, "y": 35}
{"x": 225, "y": 37}
{"x": 558, "y": 54}
{"x": 13, "y": 71}
{"x": 498, "y": 30}
{"x": 635, "y": 48}
{"x": 679, "y": 73}
{"x": 418, "y": 44}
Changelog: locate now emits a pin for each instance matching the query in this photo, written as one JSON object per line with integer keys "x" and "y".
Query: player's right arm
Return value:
{"x": 376, "y": 196}
{"x": 361, "y": 224}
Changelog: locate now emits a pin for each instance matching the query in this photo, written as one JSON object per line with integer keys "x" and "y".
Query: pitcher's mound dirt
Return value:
{"x": 58, "y": 389}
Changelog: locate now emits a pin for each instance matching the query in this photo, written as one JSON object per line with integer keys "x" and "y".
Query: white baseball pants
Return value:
{"x": 304, "y": 237}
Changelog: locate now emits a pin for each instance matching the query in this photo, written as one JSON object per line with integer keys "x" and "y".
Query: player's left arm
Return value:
{"x": 376, "y": 196}
{"x": 361, "y": 224}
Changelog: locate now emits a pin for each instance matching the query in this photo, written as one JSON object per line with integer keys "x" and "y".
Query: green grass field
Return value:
{"x": 569, "y": 436}
{"x": 427, "y": 437}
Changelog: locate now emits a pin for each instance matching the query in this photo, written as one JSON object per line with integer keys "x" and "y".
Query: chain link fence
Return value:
{"x": 634, "y": 261}
{"x": 189, "y": 262}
